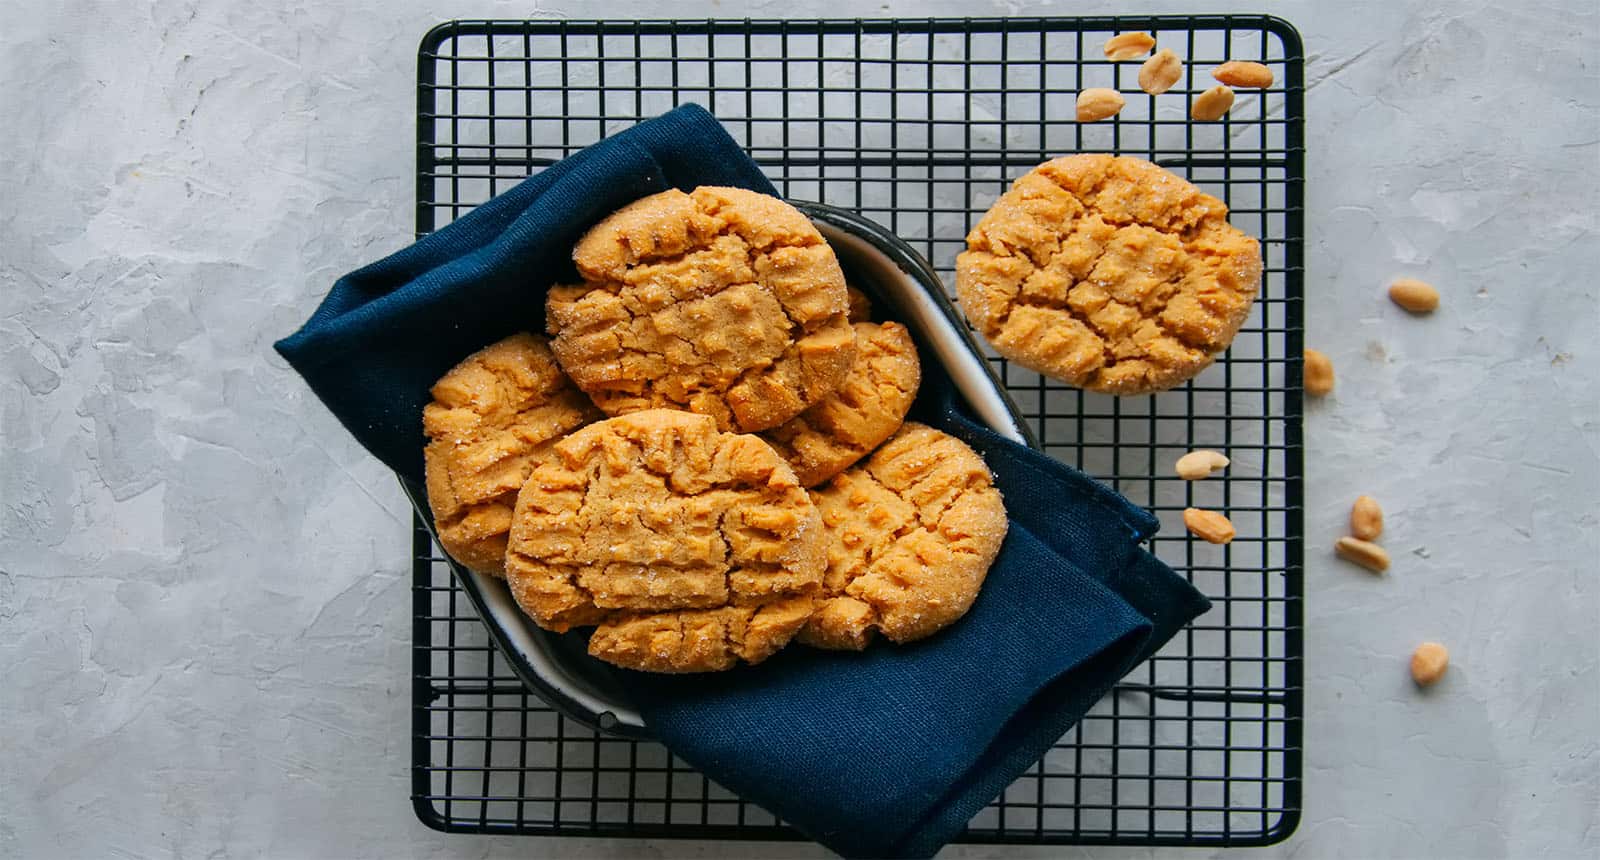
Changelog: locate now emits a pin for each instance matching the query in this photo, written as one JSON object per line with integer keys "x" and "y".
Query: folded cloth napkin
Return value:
{"x": 888, "y": 752}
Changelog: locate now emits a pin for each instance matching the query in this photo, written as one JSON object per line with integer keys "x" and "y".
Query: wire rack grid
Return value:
{"x": 920, "y": 125}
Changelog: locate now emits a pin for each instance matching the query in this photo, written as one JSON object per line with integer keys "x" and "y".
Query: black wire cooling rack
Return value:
{"x": 920, "y": 125}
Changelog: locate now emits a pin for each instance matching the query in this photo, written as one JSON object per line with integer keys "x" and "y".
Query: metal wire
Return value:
{"x": 920, "y": 125}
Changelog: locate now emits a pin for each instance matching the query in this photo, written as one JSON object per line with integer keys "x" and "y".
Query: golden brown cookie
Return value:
{"x": 911, "y": 535}
{"x": 1108, "y": 273}
{"x": 489, "y": 416}
{"x": 663, "y": 531}
{"x": 723, "y": 302}
{"x": 832, "y": 435}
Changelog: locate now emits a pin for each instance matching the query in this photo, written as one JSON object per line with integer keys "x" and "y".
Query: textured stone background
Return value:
{"x": 203, "y": 594}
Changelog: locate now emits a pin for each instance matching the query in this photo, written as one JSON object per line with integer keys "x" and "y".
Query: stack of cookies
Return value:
{"x": 755, "y": 480}
{"x": 709, "y": 457}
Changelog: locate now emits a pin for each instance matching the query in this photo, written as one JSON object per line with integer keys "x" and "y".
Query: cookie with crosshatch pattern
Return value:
{"x": 866, "y": 409}
{"x": 1108, "y": 273}
{"x": 690, "y": 549}
{"x": 490, "y": 415}
{"x": 721, "y": 301}
{"x": 911, "y": 534}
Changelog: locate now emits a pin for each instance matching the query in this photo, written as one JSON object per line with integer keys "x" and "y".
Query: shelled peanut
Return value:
{"x": 1200, "y": 464}
{"x": 1209, "y": 526}
{"x": 1213, "y": 104}
{"x": 1428, "y": 663}
{"x": 1366, "y": 518}
{"x": 1418, "y": 297}
{"x": 1160, "y": 72}
{"x": 1128, "y": 46}
{"x": 1099, "y": 103}
{"x": 1318, "y": 373}
{"x": 1365, "y": 553}
{"x": 1245, "y": 75}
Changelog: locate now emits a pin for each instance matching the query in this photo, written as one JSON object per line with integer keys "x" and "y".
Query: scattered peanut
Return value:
{"x": 1098, "y": 103}
{"x": 1128, "y": 46}
{"x": 1160, "y": 72}
{"x": 1212, "y": 104}
{"x": 1200, "y": 464}
{"x": 1368, "y": 555}
{"x": 1209, "y": 526}
{"x": 1251, "y": 76}
{"x": 1416, "y": 296}
{"x": 1366, "y": 518}
{"x": 1428, "y": 663}
{"x": 1318, "y": 373}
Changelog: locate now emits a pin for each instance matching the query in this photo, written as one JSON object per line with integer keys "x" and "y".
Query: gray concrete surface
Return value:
{"x": 203, "y": 581}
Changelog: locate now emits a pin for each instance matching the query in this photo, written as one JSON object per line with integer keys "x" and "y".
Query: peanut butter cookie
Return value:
{"x": 832, "y": 435}
{"x": 911, "y": 535}
{"x": 691, "y": 548}
{"x": 1108, "y": 273}
{"x": 723, "y": 302}
{"x": 489, "y": 416}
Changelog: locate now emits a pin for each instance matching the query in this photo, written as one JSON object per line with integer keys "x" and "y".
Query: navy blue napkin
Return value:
{"x": 888, "y": 752}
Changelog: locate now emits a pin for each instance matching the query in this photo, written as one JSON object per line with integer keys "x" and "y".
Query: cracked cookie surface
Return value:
{"x": 723, "y": 302}
{"x": 690, "y": 548}
{"x": 866, "y": 409}
{"x": 911, "y": 534}
{"x": 705, "y": 640}
{"x": 490, "y": 415}
{"x": 1108, "y": 273}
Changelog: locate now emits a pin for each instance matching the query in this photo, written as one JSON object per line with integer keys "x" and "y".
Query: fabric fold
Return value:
{"x": 890, "y": 751}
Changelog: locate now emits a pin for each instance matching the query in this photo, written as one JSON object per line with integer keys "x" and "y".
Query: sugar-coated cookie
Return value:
{"x": 722, "y": 301}
{"x": 911, "y": 534}
{"x": 867, "y": 408}
{"x": 489, "y": 416}
{"x": 1108, "y": 273}
{"x": 692, "y": 549}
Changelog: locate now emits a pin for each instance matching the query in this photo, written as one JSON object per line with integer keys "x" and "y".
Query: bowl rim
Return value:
{"x": 938, "y": 325}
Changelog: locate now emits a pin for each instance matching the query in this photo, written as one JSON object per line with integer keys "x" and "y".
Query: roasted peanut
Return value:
{"x": 1368, "y": 555}
{"x": 1428, "y": 663}
{"x": 1366, "y": 518}
{"x": 1209, "y": 526}
{"x": 1250, "y": 76}
{"x": 1200, "y": 464}
{"x": 1128, "y": 46}
{"x": 1318, "y": 373}
{"x": 1098, "y": 103}
{"x": 1418, "y": 297}
{"x": 1212, "y": 104}
{"x": 1160, "y": 72}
